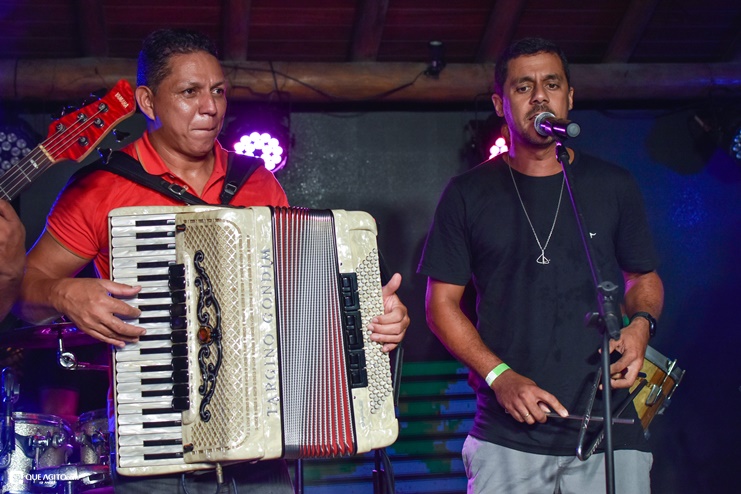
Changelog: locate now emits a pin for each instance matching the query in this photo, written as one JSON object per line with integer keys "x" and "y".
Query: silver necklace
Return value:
{"x": 542, "y": 259}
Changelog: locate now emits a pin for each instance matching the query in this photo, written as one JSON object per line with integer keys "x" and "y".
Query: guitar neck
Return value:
{"x": 23, "y": 173}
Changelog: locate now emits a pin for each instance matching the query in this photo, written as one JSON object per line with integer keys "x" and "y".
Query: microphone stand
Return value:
{"x": 383, "y": 474}
{"x": 606, "y": 320}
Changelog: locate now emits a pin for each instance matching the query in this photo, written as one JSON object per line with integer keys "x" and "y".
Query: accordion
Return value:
{"x": 257, "y": 344}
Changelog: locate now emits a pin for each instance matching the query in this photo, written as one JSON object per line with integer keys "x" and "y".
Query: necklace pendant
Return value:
{"x": 542, "y": 259}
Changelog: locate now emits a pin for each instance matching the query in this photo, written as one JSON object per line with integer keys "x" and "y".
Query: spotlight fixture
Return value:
{"x": 262, "y": 145}
{"x": 437, "y": 59}
{"x": 15, "y": 143}
{"x": 487, "y": 138}
{"x": 262, "y": 132}
{"x": 499, "y": 147}
{"x": 718, "y": 129}
{"x": 732, "y": 141}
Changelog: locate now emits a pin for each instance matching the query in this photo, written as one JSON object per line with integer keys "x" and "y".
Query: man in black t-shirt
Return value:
{"x": 508, "y": 226}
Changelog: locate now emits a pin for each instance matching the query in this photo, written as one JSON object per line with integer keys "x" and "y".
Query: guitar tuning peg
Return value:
{"x": 105, "y": 154}
{"x": 62, "y": 112}
{"x": 87, "y": 101}
{"x": 98, "y": 93}
{"x": 120, "y": 135}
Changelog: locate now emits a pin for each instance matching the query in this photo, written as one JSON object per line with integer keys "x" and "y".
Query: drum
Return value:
{"x": 662, "y": 378}
{"x": 92, "y": 473}
{"x": 91, "y": 434}
{"x": 41, "y": 441}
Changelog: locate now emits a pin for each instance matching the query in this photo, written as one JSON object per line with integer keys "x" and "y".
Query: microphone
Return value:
{"x": 546, "y": 124}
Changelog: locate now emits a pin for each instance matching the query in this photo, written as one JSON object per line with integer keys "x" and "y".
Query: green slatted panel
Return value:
{"x": 436, "y": 408}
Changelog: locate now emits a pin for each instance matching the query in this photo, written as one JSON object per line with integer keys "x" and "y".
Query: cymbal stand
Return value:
{"x": 10, "y": 392}
{"x": 68, "y": 361}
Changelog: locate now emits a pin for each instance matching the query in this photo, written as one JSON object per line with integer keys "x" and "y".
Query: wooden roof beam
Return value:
{"x": 500, "y": 28}
{"x": 630, "y": 31}
{"x": 92, "y": 28}
{"x": 67, "y": 79}
{"x": 733, "y": 53}
{"x": 235, "y": 20}
{"x": 370, "y": 20}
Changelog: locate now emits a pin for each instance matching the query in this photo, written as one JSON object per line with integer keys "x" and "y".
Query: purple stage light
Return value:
{"x": 499, "y": 147}
{"x": 262, "y": 131}
{"x": 262, "y": 145}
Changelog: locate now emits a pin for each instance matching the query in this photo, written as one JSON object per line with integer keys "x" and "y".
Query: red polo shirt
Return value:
{"x": 79, "y": 218}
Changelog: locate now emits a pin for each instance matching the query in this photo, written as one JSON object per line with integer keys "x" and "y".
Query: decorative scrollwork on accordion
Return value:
{"x": 209, "y": 335}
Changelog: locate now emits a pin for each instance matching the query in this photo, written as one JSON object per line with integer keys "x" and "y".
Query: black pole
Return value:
{"x": 383, "y": 476}
{"x": 299, "y": 488}
{"x": 607, "y": 319}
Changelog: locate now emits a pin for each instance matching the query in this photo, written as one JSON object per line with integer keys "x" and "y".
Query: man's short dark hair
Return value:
{"x": 160, "y": 45}
{"x": 526, "y": 46}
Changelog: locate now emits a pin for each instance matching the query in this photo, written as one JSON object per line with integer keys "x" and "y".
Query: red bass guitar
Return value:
{"x": 72, "y": 137}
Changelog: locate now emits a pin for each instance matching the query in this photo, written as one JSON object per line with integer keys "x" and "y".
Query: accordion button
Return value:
{"x": 358, "y": 378}
{"x": 352, "y": 339}
{"x": 180, "y": 404}
{"x": 177, "y": 309}
{"x": 179, "y": 350}
{"x": 176, "y": 283}
{"x": 180, "y": 377}
{"x": 179, "y": 336}
{"x": 180, "y": 364}
{"x": 180, "y": 390}
{"x": 176, "y": 270}
{"x": 351, "y": 321}
{"x": 178, "y": 322}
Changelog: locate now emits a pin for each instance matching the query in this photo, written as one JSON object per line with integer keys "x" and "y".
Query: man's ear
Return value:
{"x": 498, "y": 107}
{"x": 571, "y": 98}
{"x": 145, "y": 100}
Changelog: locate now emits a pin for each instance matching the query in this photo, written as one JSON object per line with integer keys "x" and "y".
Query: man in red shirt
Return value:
{"x": 181, "y": 91}
{"x": 12, "y": 256}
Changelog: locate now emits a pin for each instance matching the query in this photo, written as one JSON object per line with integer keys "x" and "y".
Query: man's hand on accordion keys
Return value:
{"x": 92, "y": 305}
{"x": 389, "y": 328}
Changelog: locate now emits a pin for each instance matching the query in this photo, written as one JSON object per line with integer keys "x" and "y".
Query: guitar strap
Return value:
{"x": 239, "y": 168}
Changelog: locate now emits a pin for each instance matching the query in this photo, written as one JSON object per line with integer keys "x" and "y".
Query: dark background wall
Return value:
{"x": 394, "y": 165}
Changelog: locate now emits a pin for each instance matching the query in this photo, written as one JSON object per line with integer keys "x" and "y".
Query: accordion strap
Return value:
{"x": 239, "y": 167}
{"x": 122, "y": 164}
{"x": 238, "y": 171}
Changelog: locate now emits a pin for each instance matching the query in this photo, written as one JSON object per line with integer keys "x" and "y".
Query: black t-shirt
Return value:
{"x": 533, "y": 315}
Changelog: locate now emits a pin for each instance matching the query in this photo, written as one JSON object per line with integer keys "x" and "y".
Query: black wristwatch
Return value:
{"x": 651, "y": 322}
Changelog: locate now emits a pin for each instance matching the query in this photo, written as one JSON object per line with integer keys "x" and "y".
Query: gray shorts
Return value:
{"x": 493, "y": 469}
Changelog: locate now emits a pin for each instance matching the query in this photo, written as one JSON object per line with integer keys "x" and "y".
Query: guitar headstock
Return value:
{"x": 77, "y": 133}
{"x": 71, "y": 137}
